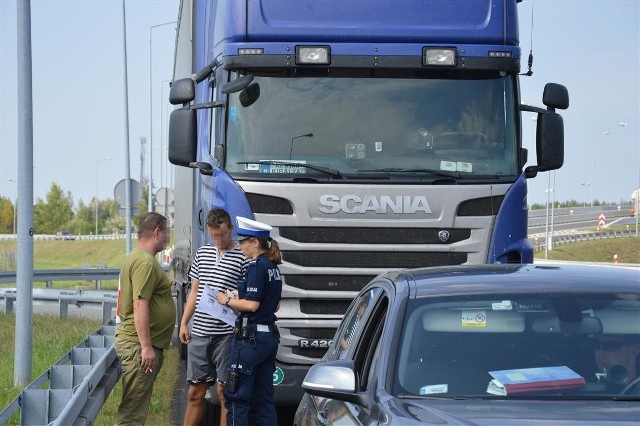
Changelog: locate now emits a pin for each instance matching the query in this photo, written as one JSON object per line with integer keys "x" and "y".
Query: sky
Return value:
{"x": 78, "y": 93}
{"x": 590, "y": 46}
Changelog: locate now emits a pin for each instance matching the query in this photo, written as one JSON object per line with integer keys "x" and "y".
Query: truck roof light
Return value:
{"x": 313, "y": 55}
{"x": 439, "y": 56}
{"x": 251, "y": 51}
{"x": 496, "y": 54}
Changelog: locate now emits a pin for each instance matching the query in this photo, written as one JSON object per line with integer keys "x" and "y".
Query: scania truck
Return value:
{"x": 371, "y": 135}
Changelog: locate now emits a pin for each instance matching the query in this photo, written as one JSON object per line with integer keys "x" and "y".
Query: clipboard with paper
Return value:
{"x": 209, "y": 305}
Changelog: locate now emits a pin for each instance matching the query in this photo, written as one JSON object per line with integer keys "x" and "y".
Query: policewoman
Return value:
{"x": 249, "y": 390}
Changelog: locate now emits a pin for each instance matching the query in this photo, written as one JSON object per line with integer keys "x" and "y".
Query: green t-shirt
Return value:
{"x": 141, "y": 277}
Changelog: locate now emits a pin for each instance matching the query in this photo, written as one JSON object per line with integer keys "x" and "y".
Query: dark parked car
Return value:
{"x": 484, "y": 345}
{"x": 65, "y": 235}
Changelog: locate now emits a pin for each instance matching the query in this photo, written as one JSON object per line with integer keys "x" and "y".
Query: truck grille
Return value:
{"x": 324, "y": 307}
{"x": 310, "y": 352}
{"x": 388, "y": 260}
{"x": 340, "y": 235}
{"x": 328, "y": 282}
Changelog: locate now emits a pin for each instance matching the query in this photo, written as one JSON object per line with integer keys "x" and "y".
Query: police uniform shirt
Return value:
{"x": 263, "y": 284}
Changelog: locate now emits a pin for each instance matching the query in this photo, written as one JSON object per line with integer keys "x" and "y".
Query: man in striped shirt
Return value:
{"x": 219, "y": 266}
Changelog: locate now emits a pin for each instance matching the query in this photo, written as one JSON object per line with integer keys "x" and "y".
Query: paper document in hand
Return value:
{"x": 533, "y": 380}
{"x": 209, "y": 305}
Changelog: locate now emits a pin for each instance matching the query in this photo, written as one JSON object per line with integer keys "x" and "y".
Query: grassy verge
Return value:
{"x": 627, "y": 249}
{"x": 53, "y": 338}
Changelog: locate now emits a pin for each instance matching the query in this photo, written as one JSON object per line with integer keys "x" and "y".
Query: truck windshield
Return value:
{"x": 368, "y": 127}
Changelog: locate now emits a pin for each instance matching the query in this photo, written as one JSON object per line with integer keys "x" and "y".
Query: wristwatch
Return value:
{"x": 228, "y": 299}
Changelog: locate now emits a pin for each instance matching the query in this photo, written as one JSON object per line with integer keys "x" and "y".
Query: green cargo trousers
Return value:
{"x": 137, "y": 386}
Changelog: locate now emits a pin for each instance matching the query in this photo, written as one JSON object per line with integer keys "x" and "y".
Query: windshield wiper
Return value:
{"x": 442, "y": 173}
{"x": 327, "y": 170}
{"x": 412, "y": 396}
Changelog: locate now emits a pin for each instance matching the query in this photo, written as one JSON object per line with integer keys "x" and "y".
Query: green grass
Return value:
{"x": 627, "y": 249}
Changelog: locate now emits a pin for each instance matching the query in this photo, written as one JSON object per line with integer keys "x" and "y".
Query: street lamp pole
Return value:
{"x": 548, "y": 240}
{"x": 150, "y": 201}
{"x": 637, "y": 191}
{"x": 15, "y": 207}
{"x": 97, "y": 183}
{"x": 587, "y": 185}
{"x": 593, "y": 156}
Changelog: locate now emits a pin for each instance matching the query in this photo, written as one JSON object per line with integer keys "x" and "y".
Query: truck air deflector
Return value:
{"x": 509, "y": 241}
{"x": 228, "y": 195}
{"x": 408, "y": 21}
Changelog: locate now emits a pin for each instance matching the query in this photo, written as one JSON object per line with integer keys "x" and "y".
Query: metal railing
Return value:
{"x": 51, "y": 275}
{"x": 45, "y": 237}
{"x": 540, "y": 243}
{"x": 78, "y": 385}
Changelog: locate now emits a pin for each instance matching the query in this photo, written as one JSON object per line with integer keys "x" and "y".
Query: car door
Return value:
{"x": 363, "y": 341}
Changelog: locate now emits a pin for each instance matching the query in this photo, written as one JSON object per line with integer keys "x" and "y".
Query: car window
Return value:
{"x": 458, "y": 347}
{"x": 352, "y": 324}
{"x": 367, "y": 356}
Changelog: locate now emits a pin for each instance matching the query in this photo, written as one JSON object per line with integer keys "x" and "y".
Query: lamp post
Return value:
{"x": 637, "y": 191}
{"x": 97, "y": 183}
{"x": 593, "y": 156}
{"x": 308, "y": 135}
{"x": 549, "y": 190}
{"x": 15, "y": 207}
{"x": 150, "y": 201}
{"x": 587, "y": 185}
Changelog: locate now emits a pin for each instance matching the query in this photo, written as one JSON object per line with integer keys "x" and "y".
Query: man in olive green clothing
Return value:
{"x": 147, "y": 318}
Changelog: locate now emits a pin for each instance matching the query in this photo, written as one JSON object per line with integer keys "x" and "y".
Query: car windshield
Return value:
{"x": 552, "y": 346}
{"x": 365, "y": 128}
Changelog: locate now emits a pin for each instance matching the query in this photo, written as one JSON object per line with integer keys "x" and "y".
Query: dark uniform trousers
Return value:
{"x": 253, "y": 398}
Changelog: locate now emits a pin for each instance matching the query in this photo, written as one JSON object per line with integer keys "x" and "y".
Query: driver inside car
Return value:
{"x": 617, "y": 359}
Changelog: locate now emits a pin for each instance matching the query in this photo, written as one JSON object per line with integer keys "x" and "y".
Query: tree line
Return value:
{"x": 56, "y": 212}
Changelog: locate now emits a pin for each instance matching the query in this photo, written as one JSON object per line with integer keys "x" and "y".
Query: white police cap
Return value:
{"x": 248, "y": 228}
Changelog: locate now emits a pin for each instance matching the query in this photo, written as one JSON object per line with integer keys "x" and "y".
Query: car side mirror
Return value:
{"x": 335, "y": 380}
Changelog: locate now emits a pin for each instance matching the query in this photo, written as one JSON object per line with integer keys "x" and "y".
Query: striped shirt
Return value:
{"x": 219, "y": 272}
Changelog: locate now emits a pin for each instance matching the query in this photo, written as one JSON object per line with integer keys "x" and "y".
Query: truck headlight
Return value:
{"x": 313, "y": 55}
{"x": 439, "y": 56}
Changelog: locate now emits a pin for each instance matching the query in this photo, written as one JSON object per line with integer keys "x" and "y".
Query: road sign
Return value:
{"x": 601, "y": 219}
{"x": 119, "y": 192}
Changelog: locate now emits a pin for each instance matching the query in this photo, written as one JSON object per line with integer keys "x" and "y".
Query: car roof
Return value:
{"x": 516, "y": 278}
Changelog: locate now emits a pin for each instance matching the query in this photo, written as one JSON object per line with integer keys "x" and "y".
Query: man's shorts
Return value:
{"x": 208, "y": 358}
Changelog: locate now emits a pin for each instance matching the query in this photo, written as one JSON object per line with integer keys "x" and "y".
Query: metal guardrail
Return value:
{"x": 79, "y": 384}
{"x": 43, "y": 237}
{"x": 51, "y": 275}
{"x": 580, "y": 237}
{"x": 108, "y": 300}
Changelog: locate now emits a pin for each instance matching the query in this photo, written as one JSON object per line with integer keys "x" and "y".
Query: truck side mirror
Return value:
{"x": 182, "y": 91}
{"x": 550, "y": 141}
{"x": 555, "y": 96}
{"x": 182, "y": 137}
{"x": 549, "y": 130}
